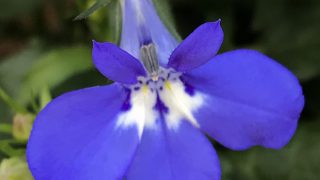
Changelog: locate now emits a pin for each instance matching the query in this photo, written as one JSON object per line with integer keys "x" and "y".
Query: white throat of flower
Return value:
{"x": 170, "y": 90}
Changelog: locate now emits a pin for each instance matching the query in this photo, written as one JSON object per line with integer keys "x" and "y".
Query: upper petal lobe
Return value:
{"x": 250, "y": 100}
{"x": 116, "y": 64}
{"x": 198, "y": 48}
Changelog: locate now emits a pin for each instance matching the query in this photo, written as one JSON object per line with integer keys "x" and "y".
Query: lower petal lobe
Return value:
{"x": 173, "y": 154}
{"x": 250, "y": 100}
{"x": 76, "y": 138}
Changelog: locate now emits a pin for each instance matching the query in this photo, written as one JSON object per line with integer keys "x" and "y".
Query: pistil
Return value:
{"x": 149, "y": 58}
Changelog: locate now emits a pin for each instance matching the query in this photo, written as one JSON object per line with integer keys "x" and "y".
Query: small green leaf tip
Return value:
{"x": 97, "y": 5}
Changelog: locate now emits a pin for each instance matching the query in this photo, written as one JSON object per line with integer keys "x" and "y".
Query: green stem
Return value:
{"x": 7, "y": 149}
{"x": 11, "y": 103}
{"x": 45, "y": 97}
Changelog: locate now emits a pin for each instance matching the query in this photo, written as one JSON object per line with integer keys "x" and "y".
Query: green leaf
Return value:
{"x": 98, "y": 4}
{"x": 14, "y": 68}
{"x": 53, "y": 68}
{"x": 106, "y": 23}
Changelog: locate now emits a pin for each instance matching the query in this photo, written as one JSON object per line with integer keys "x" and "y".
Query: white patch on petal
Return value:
{"x": 141, "y": 112}
{"x": 180, "y": 104}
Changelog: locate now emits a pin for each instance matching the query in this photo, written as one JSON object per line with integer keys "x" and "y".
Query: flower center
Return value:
{"x": 157, "y": 82}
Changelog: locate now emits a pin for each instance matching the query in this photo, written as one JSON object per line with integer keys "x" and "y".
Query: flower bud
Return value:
{"x": 22, "y": 124}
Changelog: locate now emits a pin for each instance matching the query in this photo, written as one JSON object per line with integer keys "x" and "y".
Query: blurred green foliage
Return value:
{"x": 44, "y": 53}
{"x": 14, "y": 168}
{"x": 53, "y": 67}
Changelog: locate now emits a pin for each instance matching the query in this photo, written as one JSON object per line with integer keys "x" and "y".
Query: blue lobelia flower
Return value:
{"x": 150, "y": 123}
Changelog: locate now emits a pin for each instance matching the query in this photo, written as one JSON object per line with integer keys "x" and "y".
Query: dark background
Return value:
{"x": 43, "y": 50}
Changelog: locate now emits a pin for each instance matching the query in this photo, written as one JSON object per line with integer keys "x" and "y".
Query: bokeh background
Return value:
{"x": 44, "y": 53}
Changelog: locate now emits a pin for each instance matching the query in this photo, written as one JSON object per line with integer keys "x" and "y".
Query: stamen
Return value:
{"x": 150, "y": 60}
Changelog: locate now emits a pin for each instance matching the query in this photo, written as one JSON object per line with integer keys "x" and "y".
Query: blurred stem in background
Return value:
{"x": 44, "y": 53}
